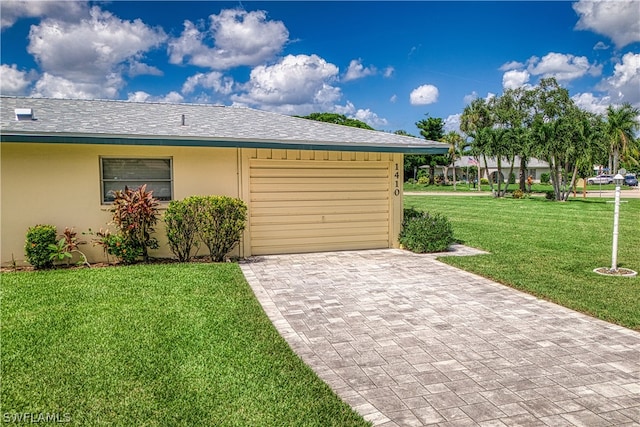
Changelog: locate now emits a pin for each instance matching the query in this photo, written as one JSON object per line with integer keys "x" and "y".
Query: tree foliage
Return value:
{"x": 432, "y": 129}
{"x": 338, "y": 119}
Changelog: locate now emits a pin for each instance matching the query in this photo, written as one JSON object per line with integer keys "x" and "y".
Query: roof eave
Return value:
{"x": 173, "y": 141}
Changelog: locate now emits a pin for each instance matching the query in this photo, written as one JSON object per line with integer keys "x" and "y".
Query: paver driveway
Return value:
{"x": 407, "y": 340}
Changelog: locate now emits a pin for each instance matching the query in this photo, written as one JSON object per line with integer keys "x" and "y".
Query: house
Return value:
{"x": 309, "y": 186}
{"x": 535, "y": 168}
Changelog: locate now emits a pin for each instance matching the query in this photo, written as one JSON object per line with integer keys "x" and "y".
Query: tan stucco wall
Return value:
{"x": 59, "y": 184}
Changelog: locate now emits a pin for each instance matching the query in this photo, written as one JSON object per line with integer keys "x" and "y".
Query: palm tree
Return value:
{"x": 457, "y": 144}
{"x": 622, "y": 123}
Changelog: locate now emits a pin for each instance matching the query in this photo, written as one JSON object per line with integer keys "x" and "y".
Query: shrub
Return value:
{"x": 221, "y": 221}
{"x": 545, "y": 178}
{"x": 550, "y": 195}
{"x": 67, "y": 246}
{"x": 518, "y": 194}
{"x": 423, "y": 180}
{"x": 118, "y": 245}
{"x": 181, "y": 219}
{"x": 135, "y": 213}
{"x": 512, "y": 178}
{"x": 37, "y": 245}
{"x": 423, "y": 232}
{"x": 484, "y": 181}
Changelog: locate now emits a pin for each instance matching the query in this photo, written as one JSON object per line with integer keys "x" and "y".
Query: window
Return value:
{"x": 118, "y": 173}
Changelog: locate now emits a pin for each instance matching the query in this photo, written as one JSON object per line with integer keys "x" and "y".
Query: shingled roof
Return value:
{"x": 145, "y": 123}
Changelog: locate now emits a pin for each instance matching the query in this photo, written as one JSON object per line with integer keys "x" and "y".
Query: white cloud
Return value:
{"x": 388, "y": 72}
{"x": 514, "y": 79}
{"x": 141, "y": 96}
{"x": 14, "y": 81}
{"x": 239, "y": 38}
{"x": 51, "y": 86}
{"x": 423, "y": 95}
{"x": 214, "y": 80}
{"x": 393, "y": 99}
{"x": 452, "y": 123}
{"x": 600, "y": 46}
{"x": 592, "y": 103}
{"x": 564, "y": 67}
{"x": 295, "y": 83}
{"x": 619, "y": 20}
{"x": 512, "y": 65}
{"x": 139, "y": 69}
{"x": 624, "y": 85}
{"x": 357, "y": 71}
{"x": 367, "y": 116}
{"x": 470, "y": 97}
{"x": 11, "y": 11}
{"x": 87, "y": 58}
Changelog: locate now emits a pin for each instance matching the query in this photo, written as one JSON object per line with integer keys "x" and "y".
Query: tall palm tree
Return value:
{"x": 622, "y": 123}
{"x": 457, "y": 144}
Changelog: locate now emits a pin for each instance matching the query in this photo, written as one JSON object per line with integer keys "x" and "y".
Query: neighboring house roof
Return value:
{"x": 492, "y": 163}
{"x": 142, "y": 123}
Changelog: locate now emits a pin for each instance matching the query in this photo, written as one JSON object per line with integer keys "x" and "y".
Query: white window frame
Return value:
{"x": 103, "y": 199}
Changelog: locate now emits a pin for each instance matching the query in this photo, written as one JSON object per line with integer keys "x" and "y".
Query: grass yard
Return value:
{"x": 549, "y": 249}
{"x": 153, "y": 345}
{"x": 463, "y": 187}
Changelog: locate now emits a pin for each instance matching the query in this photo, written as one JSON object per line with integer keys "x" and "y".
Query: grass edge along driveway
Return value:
{"x": 172, "y": 344}
{"x": 549, "y": 249}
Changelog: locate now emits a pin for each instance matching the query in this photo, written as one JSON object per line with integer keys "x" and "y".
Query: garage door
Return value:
{"x": 309, "y": 206}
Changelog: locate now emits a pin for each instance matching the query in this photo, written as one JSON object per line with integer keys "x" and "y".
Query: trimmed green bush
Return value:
{"x": 37, "y": 245}
{"x": 484, "y": 181}
{"x": 181, "y": 219}
{"x": 518, "y": 194}
{"x": 423, "y": 232}
{"x": 221, "y": 221}
{"x": 545, "y": 178}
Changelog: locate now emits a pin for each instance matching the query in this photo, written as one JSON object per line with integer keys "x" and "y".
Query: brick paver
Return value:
{"x": 407, "y": 340}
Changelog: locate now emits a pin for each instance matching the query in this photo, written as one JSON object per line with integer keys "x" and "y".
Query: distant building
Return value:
{"x": 535, "y": 168}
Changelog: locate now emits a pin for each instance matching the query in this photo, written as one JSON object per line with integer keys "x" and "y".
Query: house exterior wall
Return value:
{"x": 59, "y": 184}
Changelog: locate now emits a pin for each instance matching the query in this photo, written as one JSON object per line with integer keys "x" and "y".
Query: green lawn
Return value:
{"x": 153, "y": 345}
{"x": 536, "y": 188}
{"x": 549, "y": 249}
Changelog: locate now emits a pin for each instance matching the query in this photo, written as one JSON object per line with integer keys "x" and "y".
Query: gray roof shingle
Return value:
{"x": 103, "y": 121}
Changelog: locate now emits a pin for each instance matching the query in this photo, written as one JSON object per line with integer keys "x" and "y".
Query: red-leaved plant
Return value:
{"x": 135, "y": 213}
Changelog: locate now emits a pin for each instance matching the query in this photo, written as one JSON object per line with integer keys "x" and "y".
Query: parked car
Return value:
{"x": 600, "y": 179}
{"x": 630, "y": 180}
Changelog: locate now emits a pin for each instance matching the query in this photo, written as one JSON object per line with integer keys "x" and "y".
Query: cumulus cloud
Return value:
{"x": 11, "y": 11}
{"x": 86, "y": 59}
{"x": 357, "y": 71}
{"x": 515, "y": 79}
{"x": 512, "y": 65}
{"x": 423, "y": 95}
{"x": 366, "y": 115}
{"x": 388, "y": 72}
{"x": 470, "y": 97}
{"x": 592, "y": 103}
{"x": 564, "y": 67}
{"x": 141, "y": 96}
{"x": 623, "y": 85}
{"x": 14, "y": 81}
{"x": 235, "y": 38}
{"x": 600, "y": 46}
{"x": 214, "y": 81}
{"x": 52, "y": 86}
{"x": 452, "y": 123}
{"x": 295, "y": 83}
{"x": 618, "y": 20}
{"x": 393, "y": 99}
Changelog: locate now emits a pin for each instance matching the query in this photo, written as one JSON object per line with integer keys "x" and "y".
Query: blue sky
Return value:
{"x": 386, "y": 63}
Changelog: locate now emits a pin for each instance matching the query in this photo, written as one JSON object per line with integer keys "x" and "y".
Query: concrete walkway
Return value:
{"x": 409, "y": 341}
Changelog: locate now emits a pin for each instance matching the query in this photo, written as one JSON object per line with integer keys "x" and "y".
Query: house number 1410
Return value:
{"x": 396, "y": 175}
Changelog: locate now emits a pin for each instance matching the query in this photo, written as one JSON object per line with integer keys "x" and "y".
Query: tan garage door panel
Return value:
{"x": 299, "y": 206}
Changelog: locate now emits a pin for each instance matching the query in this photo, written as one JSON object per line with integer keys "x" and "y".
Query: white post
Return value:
{"x": 616, "y": 214}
